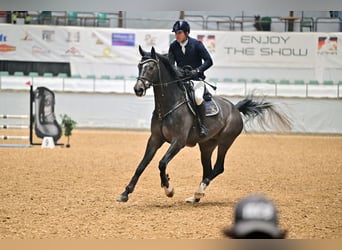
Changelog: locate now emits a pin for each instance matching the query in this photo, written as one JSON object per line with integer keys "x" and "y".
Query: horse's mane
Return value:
{"x": 169, "y": 67}
{"x": 165, "y": 60}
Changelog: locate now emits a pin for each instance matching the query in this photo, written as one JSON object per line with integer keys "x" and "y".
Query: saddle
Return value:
{"x": 211, "y": 107}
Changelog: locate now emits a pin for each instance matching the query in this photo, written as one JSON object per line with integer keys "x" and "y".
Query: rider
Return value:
{"x": 184, "y": 51}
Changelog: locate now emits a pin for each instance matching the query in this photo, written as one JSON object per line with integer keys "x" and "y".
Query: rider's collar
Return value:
{"x": 183, "y": 44}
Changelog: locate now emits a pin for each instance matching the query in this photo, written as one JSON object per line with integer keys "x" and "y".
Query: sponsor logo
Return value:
{"x": 3, "y": 38}
{"x": 7, "y": 48}
{"x": 36, "y": 50}
{"x": 123, "y": 39}
{"x": 209, "y": 41}
{"x": 97, "y": 39}
{"x": 73, "y": 37}
{"x": 73, "y": 52}
{"x": 27, "y": 37}
{"x": 106, "y": 53}
{"x": 150, "y": 40}
{"x": 327, "y": 45}
{"x": 48, "y": 35}
{"x": 106, "y": 50}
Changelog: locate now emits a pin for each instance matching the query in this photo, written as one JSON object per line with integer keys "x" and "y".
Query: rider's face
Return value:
{"x": 181, "y": 36}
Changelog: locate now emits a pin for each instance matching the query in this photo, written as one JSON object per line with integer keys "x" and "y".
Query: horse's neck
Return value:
{"x": 167, "y": 95}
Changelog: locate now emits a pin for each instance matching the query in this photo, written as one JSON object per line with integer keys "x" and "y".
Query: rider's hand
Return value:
{"x": 194, "y": 73}
{"x": 187, "y": 73}
{"x": 181, "y": 72}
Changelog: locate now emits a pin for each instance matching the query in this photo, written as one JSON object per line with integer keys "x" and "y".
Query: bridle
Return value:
{"x": 148, "y": 83}
{"x": 145, "y": 81}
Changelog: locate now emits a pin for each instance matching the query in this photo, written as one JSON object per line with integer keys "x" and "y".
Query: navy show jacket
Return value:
{"x": 196, "y": 55}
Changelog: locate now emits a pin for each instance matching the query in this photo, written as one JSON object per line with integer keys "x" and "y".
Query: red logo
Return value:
{"x": 7, "y": 48}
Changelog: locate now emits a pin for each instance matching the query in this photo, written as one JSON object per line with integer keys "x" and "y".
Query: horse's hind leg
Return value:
{"x": 217, "y": 170}
{"x": 206, "y": 153}
{"x": 219, "y": 164}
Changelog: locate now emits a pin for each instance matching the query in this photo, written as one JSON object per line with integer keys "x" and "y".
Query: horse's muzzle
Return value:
{"x": 139, "y": 88}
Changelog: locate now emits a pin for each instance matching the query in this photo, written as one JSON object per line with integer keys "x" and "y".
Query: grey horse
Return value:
{"x": 174, "y": 122}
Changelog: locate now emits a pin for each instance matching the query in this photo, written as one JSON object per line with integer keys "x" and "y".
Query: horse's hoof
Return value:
{"x": 122, "y": 198}
{"x": 192, "y": 199}
{"x": 169, "y": 192}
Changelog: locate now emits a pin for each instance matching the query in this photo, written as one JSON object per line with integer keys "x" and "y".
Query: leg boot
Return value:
{"x": 201, "y": 114}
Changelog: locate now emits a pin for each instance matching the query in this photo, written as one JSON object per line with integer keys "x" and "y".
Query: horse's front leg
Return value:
{"x": 154, "y": 143}
{"x": 175, "y": 147}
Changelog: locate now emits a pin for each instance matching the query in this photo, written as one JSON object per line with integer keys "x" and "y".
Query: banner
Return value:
{"x": 114, "y": 51}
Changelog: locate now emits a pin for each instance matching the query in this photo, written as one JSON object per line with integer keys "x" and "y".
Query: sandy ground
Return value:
{"x": 65, "y": 193}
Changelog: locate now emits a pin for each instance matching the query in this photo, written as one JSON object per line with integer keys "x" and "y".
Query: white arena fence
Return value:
{"x": 127, "y": 111}
{"x": 228, "y": 87}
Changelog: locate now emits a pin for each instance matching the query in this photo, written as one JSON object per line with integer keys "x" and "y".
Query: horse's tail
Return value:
{"x": 261, "y": 110}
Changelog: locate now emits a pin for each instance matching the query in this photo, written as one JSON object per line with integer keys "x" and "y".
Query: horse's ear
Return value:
{"x": 141, "y": 51}
{"x": 153, "y": 53}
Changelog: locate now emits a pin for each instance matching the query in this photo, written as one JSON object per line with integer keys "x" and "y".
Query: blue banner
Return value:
{"x": 123, "y": 39}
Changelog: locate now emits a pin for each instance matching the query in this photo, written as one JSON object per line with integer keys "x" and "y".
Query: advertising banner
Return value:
{"x": 104, "y": 50}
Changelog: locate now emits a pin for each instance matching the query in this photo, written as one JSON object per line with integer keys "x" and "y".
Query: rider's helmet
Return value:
{"x": 181, "y": 25}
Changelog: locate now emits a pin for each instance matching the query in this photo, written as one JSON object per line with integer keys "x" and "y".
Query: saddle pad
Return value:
{"x": 211, "y": 108}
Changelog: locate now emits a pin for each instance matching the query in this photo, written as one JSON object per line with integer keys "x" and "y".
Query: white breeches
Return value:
{"x": 199, "y": 91}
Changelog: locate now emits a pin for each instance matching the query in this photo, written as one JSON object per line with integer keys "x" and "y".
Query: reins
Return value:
{"x": 143, "y": 79}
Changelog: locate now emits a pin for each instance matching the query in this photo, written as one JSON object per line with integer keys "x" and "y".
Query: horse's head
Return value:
{"x": 148, "y": 71}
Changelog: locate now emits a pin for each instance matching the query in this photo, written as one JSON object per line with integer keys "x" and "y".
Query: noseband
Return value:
{"x": 147, "y": 82}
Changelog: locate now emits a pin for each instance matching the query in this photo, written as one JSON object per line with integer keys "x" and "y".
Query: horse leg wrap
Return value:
{"x": 164, "y": 181}
{"x": 200, "y": 192}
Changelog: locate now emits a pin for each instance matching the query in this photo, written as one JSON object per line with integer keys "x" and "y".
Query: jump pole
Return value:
{"x": 30, "y": 126}
{"x": 31, "y": 114}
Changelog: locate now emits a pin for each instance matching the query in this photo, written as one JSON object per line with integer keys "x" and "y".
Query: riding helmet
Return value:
{"x": 181, "y": 25}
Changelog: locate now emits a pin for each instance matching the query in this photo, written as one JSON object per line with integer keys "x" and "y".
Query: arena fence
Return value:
{"x": 12, "y": 124}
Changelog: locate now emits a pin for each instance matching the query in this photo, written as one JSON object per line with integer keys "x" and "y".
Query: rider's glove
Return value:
{"x": 187, "y": 73}
{"x": 194, "y": 73}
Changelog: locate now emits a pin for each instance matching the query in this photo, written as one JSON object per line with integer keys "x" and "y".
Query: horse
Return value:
{"x": 173, "y": 121}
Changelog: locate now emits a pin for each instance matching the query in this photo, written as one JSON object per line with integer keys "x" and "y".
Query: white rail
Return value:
{"x": 10, "y": 126}
{"x": 13, "y": 137}
{"x": 14, "y": 116}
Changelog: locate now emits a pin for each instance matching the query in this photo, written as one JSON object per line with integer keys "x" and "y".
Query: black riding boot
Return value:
{"x": 200, "y": 117}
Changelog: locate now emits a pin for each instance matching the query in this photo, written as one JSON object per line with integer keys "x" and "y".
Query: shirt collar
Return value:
{"x": 184, "y": 43}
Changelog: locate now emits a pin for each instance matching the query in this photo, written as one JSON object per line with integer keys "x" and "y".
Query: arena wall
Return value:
{"x": 126, "y": 111}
